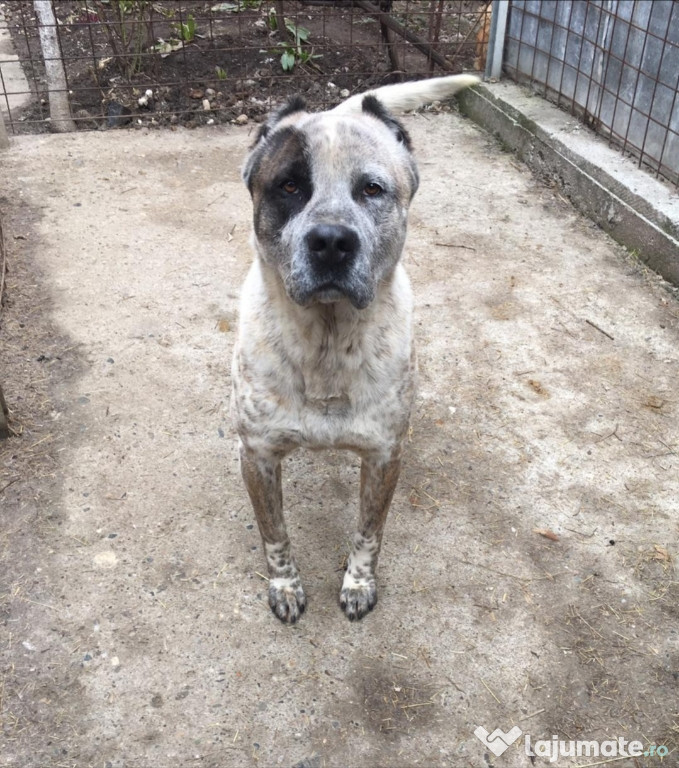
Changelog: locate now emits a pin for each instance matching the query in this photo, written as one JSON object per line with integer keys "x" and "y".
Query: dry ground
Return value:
{"x": 135, "y": 630}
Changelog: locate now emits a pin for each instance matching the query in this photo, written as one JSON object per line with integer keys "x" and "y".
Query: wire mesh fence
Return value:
{"x": 190, "y": 61}
{"x": 613, "y": 63}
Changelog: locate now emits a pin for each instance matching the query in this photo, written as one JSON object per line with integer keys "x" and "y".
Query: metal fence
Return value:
{"x": 190, "y": 61}
{"x": 614, "y": 63}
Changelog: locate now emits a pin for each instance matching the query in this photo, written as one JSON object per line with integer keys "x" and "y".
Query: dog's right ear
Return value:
{"x": 292, "y": 105}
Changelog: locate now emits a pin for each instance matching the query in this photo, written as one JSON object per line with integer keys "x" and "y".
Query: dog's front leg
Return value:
{"x": 378, "y": 481}
{"x": 262, "y": 478}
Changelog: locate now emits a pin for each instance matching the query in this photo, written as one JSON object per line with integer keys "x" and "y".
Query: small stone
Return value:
{"x": 206, "y": 105}
{"x": 117, "y": 114}
{"x": 105, "y": 560}
{"x": 210, "y": 93}
{"x": 242, "y": 119}
{"x": 344, "y": 93}
{"x": 84, "y": 118}
{"x": 196, "y": 93}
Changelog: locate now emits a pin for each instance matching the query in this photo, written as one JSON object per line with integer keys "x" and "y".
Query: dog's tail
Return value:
{"x": 401, "y": 97}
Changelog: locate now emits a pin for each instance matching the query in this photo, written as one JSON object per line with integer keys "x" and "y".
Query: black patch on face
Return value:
{"x": 373, "y": 106}
{"x": 279, "y": 180}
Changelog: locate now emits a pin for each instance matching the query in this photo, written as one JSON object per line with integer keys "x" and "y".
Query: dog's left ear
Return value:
{"x": 292, "y": 105}
{"x": 373, "y": 106}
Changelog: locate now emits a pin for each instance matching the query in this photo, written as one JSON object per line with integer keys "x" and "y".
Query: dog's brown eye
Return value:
{"x": 290, "y": 187}
{"x": 371, "y": 189}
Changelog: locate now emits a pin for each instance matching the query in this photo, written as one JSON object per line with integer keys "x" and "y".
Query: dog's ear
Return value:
{"x": 373, "y": 106}
{"x": 292, "y": 105}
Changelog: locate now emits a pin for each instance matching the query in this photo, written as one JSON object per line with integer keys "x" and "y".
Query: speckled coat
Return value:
{"x": 324, "y": 355}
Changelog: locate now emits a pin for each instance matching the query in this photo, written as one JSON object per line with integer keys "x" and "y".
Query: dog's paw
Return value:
{"x": 286, "y": 598}
{"x": 358, "y": 596}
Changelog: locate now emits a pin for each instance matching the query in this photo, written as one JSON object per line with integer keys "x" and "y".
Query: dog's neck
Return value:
{"x": 333, "y": 345}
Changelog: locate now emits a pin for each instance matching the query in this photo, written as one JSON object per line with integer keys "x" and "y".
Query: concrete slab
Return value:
{"x": 528, "y": 572}
{"x": 635, "y": 208}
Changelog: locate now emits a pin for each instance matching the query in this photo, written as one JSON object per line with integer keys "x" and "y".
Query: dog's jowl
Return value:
{"x": 324, "y": 357}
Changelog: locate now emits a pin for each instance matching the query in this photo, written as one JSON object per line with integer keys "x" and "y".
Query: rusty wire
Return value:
{"x": 229, "y": 53}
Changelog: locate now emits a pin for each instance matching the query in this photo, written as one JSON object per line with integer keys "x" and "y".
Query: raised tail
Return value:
{"x": 401, "y": 97}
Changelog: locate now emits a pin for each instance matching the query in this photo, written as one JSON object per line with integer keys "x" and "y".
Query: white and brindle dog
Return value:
{"x": 324, "y": 357}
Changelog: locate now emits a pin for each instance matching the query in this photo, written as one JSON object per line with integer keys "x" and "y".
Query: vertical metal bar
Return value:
{"x": 4, "y": 139}
{"x": 626, "y": 138}
{"x": 496, "y": 41}
{"x": 610, "y": 8}
{"x": 642, "y": 148}
{"x": 564, "y": 62}
{"x": 550, "y": 57}
{"x": 589, "y": 116}
{"x": 671, "y": 171}
{"x": 520, "y": 40}
{"x": 9, "y": 111}
{"x": 31, "y": 62}
{"x": 618, "y": 98}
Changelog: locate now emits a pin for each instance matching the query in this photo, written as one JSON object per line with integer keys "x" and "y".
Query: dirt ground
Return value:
{"x": 540, "y": 485}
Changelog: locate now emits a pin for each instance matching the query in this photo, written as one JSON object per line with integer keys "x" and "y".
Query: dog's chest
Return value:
{"x": 335, "y": 387}
{"x": 326, "y": 376}
{"x": 336, "y": 365}
{"x": 347, "y": 379}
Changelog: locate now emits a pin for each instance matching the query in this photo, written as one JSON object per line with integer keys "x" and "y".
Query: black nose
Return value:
{"x": 332, "y": 244}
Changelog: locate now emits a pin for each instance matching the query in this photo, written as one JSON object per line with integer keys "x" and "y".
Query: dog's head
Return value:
{"x": 331, "y": 194}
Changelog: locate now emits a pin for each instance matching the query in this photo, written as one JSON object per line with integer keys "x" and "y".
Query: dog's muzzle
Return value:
{"x": 332, "y": 247}
{"x": 333, "y": 268}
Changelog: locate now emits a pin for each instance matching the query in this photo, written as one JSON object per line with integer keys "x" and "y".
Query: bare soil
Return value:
{"x": 234, "y": 59}
{"x": 528, "y": 575}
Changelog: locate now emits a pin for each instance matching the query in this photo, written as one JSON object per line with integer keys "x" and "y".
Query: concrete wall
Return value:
{"x": 613, "y": 62}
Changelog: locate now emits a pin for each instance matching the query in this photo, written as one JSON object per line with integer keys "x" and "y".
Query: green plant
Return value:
{"x": 295, "y": 53}
{"x": 128, "y": 25}
{"x": 221, "y": 73}
{"x": 186, "y": 30}
{"x": 242, "y": 5}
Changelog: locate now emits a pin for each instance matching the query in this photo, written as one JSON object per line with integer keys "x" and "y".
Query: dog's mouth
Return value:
{"x": 313, "y": 280}
{"x": 330, "y": 292}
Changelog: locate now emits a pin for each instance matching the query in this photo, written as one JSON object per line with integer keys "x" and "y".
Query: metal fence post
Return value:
{"x": 4, "y": 140}
{"x": 496, "y": 42}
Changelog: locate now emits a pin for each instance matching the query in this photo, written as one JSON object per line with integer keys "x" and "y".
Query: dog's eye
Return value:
{"x": 290, "y": 187}
{"x": 372, "y": 189}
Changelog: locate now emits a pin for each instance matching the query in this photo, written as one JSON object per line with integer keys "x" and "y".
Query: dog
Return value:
{"x": 324, "y": 355}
